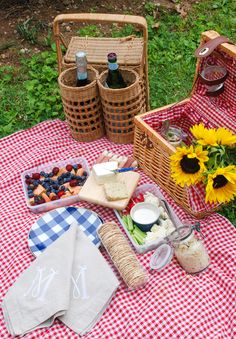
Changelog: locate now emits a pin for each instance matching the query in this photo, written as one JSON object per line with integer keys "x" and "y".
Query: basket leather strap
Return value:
{"x": 206, "y": 49}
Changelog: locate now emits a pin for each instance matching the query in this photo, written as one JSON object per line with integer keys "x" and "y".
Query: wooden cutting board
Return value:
{"x": 94, "y": 193}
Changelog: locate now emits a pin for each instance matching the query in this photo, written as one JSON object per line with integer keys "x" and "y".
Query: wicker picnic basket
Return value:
{"x": 131, "y": 50}
{"x": 82, "y": 105}
{"x": 153, "y": 152}
{"x": 120, "y": 106}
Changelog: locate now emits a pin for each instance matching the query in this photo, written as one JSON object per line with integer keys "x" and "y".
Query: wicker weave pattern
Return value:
{"x": 129, "y": 51}
{"x": 82, "y": 105}
{"x": 142, "y": 81}
{"x": 120, "y": 106}
{"x": 152, "y": 151}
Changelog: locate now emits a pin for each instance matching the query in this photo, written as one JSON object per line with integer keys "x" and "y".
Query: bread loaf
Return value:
{"x": 115, "y": 191}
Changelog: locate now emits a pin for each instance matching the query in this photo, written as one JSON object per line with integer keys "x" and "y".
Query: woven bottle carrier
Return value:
{"x": 131, "y": 50}
{"x": 82, "y": 105}
{"x": 120, "y": 106}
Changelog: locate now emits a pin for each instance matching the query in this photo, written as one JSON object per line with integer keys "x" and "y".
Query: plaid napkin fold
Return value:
{"x": 70, "y": 280}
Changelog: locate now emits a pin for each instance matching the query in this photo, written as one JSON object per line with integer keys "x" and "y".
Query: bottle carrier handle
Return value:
{"x": 97, "y": 18}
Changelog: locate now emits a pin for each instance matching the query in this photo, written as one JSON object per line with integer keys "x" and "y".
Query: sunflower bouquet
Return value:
{"x": 210, "y": 159}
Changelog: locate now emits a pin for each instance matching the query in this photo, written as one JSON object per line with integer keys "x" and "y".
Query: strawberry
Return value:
{"x": 55, "y": 170}
{"x": 60, "y": 194}
{"x": 36, "y": 176}
{"x": 73, "y": 183}
{"x": 28, "y": 181}
{"x": 54, "y": 198}
{"x": 69, "y": 168}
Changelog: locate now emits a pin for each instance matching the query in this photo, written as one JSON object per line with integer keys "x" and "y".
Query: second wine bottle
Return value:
{"x": 114, "y": 78}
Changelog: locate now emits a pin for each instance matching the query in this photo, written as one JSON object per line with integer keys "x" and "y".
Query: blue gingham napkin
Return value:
{"x": 70, "y": 280}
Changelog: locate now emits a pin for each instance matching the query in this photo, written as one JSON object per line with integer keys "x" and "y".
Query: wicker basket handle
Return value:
{"x": 97, "y": 18}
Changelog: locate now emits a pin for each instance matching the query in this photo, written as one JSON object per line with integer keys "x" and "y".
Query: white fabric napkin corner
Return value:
{"x": 70, "y": 280}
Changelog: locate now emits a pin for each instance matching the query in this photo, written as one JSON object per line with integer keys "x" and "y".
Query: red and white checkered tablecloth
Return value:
{"x": 172, "y": 304}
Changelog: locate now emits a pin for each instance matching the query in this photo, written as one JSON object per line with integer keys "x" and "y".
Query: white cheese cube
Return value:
{"x": 103, "y": 172}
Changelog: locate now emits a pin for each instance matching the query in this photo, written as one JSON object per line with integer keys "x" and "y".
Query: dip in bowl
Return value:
{"x": 145, "y": 215}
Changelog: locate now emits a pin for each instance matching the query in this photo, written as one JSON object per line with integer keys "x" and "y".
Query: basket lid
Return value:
{"x": 129, "y": 50}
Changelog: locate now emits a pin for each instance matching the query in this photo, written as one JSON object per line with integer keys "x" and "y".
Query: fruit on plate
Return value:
{"x": 59, "y": 183}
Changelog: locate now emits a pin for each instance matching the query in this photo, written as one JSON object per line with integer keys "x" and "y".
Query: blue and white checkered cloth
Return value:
{"x": 54, "y": 223}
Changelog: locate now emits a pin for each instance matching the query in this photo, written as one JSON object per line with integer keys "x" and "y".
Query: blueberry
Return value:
{"x": 83, "y": 178}
{"x": 31, "y": 195}
{"x": 73, "y": 176}
{"x": 50, "y": 174}
{"x": 46, "y": 175}
{"x": 27, "y": 176}
{"x": 62, "y": 188}
{"x": 85, "y": 173}
{"x": 46, "y": 179}
{"x": 42, "y": 173}
{"x": 67, "y": 174}
{"x": 78, "y": 177}
{"x": 75, "y": 167}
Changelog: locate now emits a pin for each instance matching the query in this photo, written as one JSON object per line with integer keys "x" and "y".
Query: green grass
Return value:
{"x": 29, "y": 94}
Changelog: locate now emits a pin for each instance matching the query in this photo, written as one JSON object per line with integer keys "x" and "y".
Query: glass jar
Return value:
{"x": 173, "y": 134}
{"x": 188, "y": 249}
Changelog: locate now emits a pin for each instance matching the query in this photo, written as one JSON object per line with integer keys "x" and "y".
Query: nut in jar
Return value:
{"x": 186, "y": 246}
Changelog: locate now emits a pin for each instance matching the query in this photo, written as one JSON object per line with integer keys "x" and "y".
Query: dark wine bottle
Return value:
{"x": 81, "y": 75}
{"x": 114, "y": 78}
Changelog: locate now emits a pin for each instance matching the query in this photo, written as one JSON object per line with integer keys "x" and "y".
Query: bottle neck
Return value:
{"x": 112, "y": 66}
{"x": 82, "y": 75}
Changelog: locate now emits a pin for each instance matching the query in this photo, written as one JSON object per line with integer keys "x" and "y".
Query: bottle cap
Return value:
{"x": 112, "y": 57}
{"x": 80, "y": 54}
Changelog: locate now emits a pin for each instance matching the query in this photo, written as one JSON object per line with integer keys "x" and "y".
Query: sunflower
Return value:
{"x": 198, "y": 131}
{"x": 225, "y": 136}
{"x": 188, "y": 164}
{"x": 221, "y": 185}
{"x": 204, "y": 136}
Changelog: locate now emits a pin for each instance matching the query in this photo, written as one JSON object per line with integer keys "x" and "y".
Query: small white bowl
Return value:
{"x": 145, "y": 215}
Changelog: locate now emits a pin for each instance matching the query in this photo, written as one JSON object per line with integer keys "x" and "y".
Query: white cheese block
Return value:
{"x": 103, "y": 172}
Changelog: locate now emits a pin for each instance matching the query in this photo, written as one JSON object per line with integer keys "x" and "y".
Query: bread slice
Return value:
{"x": 115, "y": 191}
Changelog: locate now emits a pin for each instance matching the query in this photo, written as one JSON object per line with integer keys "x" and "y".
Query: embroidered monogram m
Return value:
{"x": 40, "y": 284}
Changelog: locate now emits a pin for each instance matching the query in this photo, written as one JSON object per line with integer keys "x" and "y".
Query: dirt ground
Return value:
{"x": 42, "y": 12}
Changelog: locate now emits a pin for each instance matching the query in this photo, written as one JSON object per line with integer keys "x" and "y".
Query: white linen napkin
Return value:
{"x": 70, "y": 280}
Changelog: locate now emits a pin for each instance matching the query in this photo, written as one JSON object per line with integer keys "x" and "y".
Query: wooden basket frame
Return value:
{"x": 102, "y": 18}
{"x": 152, "y": 139}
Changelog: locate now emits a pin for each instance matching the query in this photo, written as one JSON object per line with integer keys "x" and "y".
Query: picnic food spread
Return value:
{"x": 65, "y": 240}
{"x": 59, "y": 183}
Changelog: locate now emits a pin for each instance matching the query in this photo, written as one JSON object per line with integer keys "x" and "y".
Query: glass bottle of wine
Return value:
{"x": 81, "y": 64}
{"x": 114, "y": 78}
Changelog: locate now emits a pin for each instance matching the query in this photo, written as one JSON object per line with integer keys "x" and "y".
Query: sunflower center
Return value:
{"x": 219, "y": 181}
{"x": 189, "y": 165}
